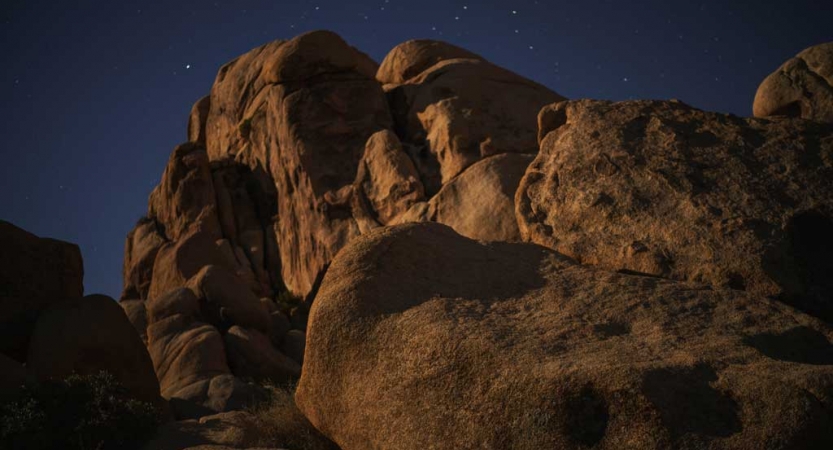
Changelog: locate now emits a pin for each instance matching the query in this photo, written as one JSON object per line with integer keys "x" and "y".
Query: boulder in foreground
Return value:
{"x": 420, "y": 338}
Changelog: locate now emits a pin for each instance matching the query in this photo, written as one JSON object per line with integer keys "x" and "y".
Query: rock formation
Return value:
{"x": 664, "y": 189}
{"x": 420, "y": 338}
{"x": 45, "y": 323}
{"x": 301, "y": 146}
{"x": 801, "y": 87}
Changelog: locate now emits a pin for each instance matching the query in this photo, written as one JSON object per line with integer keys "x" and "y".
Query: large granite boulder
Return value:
{"x": 420, "y": 338}
{"x": 664, "y": 189}
{"x": 801, "y": 87}
{"x": 34, "y": 274}
{"x": 455, "y": 108}
{"x": 89, "y": 335}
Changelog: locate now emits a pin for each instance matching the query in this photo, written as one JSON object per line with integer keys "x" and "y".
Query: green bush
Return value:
{"x": 286, "y": 301}
{"x": 92, "y": 412}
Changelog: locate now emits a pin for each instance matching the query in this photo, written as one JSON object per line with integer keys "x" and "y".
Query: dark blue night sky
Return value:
{"x": 94, "y": 95}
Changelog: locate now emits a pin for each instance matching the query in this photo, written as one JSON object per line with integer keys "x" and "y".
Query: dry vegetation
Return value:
{"x": 279, "y": 423}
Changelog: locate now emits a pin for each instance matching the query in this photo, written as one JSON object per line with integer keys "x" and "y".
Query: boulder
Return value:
{"x": 801, "y": 87}
{"x": 251, "y": 355}
{"x": 420, "y": 338}
{"x": 413, "y": 57}
{"x": 34, "y": 274}
{"x": 185, "y": 200}
{"x": 459, "y": 111}
{"x": 89, "y": 335}
{"x": 278, "y": 328}
{"x": 185, "y": 351}
{"x": 302, "y": 111}
{"x": 178, "y": 261}
{"x": 664, "y": 189}
{"x": 136, "y": 313}
{"x": 480, "y": 202}
{"x": 293, "y": 345}
{"x": 197, "y": 119}
{"x": 140, "y": 250}
{"x": 387, "y": 178}
{"x": 226, "y": 301}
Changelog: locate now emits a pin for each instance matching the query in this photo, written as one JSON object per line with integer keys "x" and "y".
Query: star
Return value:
{"x": 514, "y": 12}
{"x": 187, "y": 66}
{"x": 625, "y": 79}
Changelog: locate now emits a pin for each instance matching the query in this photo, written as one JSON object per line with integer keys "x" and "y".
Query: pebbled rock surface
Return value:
{"x": 420, "y": 338}
{"x": 663, "y": 189}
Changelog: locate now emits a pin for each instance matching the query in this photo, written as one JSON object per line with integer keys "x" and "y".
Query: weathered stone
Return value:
{"x": 185, "y": 200}
{"x": 413, "y": 57}
{"x": 136, "y": 313}
{"x": 197, "y": 119}
{"x": 303, "y": 111}
{"x": 227, "y": 301}
{"x": 480, "y": 202}
{"x": 250, "y": 354}
{"x": 387, "y": 178}
{"x": 279, "y": 327}
{"x": 184, "y": 350}
{"x": 420, "y": 338}
{"x": 664, "y": 189}
{"x": 140, "y": 250}
{"x": 459, "y": 111}
{"x": 177, "y": 262}
{"x": 801, "y": 87}
{"x": 293, "y": 345}
{"x": 89, "y": 335}
{"x": 34, "y": 274}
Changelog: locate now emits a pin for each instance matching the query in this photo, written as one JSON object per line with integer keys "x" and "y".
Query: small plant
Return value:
{"x": 92, "y": 412}
{"x": 286, "y": 301}
{"x": 245, "y": 128}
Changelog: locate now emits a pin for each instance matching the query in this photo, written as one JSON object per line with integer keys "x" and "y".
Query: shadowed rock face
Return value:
{"x": 34, "y": 274}
{"x": 801, "y": 87}
{"x": 663, "y": 189}
{"x": 453, "y": 343}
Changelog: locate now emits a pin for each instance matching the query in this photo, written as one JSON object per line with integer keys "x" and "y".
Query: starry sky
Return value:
{"x": 94, "y": 95}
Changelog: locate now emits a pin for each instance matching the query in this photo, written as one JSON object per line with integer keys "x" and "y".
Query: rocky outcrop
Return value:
{"x": 420, "y": 338}
{"x": 664, "y": 189}
{"x": 452, "y": 108}
{"x": 34, "y": 274}
{"x": 293, "y": 154}
{"x": 801, "y": 87}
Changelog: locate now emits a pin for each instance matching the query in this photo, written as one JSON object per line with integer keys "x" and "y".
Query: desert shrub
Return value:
{"x": 92, "y": 412}
{"x": 245, "y": 128}
{"x": 286, "y": 301}
{"x": 278, "y": 422}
